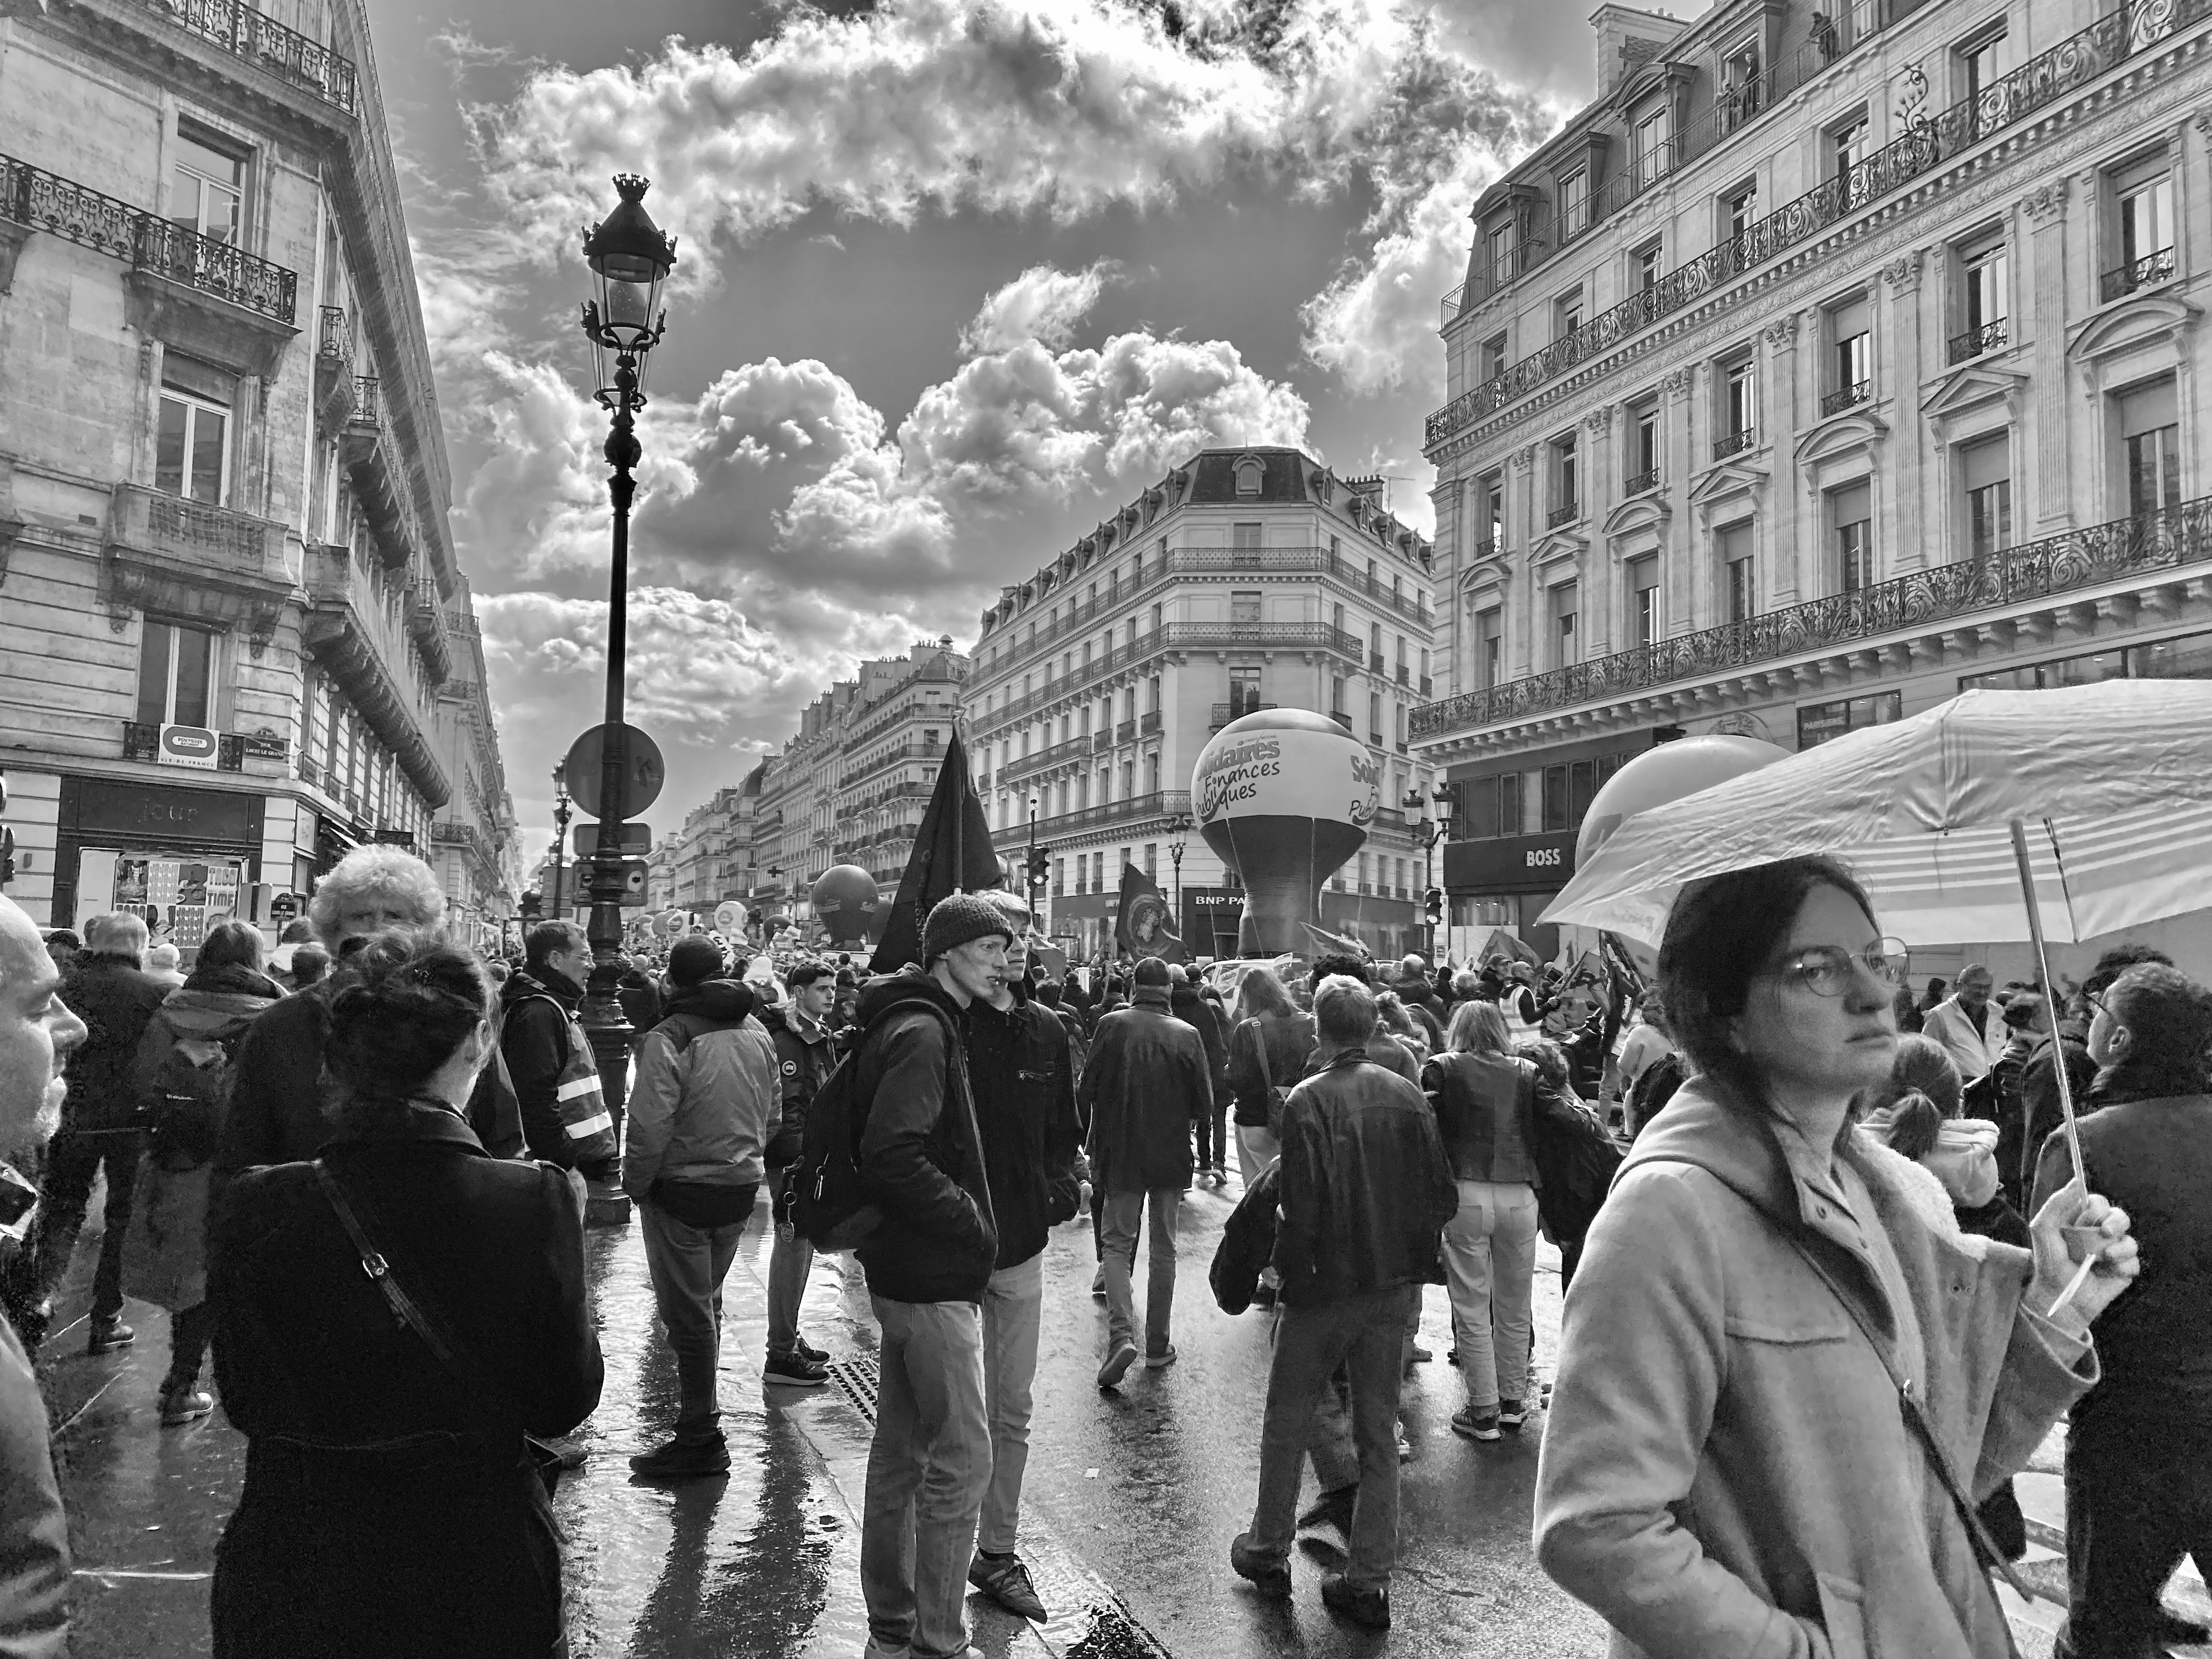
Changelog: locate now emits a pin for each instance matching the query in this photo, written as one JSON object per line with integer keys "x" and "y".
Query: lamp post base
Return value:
{"x": 605, "y": 1204}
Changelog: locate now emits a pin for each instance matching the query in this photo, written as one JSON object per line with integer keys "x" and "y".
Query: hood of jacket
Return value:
{"x": 1182, "y": 996}
{"x": 713, "y": 999}
{"x": 196, "y": 1010}
{"x": 542, "y": 982}
{"x": 232, "y": 978}
{"x": 909, "y": 982}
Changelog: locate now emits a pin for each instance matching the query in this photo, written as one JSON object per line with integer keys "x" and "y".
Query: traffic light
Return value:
{"x": 7, "y": 837}
{"x": 1040, "y": 868}
{"x": 533, "y": 907}
{"x": 1432, "y": 907}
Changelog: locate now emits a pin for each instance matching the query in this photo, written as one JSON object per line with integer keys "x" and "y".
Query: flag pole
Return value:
{"x": 2058, "y": 1052}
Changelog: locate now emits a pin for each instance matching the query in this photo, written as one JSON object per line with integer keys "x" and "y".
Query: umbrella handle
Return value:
{"x": 2074, "y": 1284}
{"x": 2058, "y": 1053}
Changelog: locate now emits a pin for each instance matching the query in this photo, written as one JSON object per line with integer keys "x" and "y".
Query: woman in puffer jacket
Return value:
{"x": 1962, "y": 1154}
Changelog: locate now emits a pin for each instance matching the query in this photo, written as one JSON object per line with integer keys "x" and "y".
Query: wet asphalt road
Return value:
{"x": 1131, "y": 1496}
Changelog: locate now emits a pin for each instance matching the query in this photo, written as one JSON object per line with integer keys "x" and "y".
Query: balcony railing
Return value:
{"x": 1174, "y": 637}
{"x": 1149, "y": 725}
{"x": 1835, "y": 402}
{"x": 31, "y": 195}
{"x": 1640, "y": 483}
{"x": 1162, "y": 804}
{"x": 237, "y": 27}
{"x": 198, "y": 535}
{"x": 1559, "y": 515}
{"x": 2146, "y": 272}
{"x": 1374, "y": 662}
{"x": 1126, "y": 732}
{"x": 898, "y": 756}
{"x": 1732, "y": 443}
{"x": 1220, "y": 714}
{"x": 335, "y": 341}
{"x": 1976, "y": 341}
{"x": 1058, "y": 755}
{"x": 1485, "y": 550}
{"x": 2121, "y": 549}
{"x": 367, "y": 401}
{"x": 2033, "y": 86}
{"x": 1404, "y": 674}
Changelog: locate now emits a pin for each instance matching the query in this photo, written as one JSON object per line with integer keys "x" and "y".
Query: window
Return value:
{"x": 1399, "y": 735}
{"x": 1741, "y": 88}
{"x": 1337, "y": 618}
{"x": 207, "y": 188}
{"x": 1489, "y": 648}
{"x": 1853, "y": 358}
{"x": 1375, "y": 647}
{"x": 1504, "y": 245}
{"x": 1643, "y": 449}
{"x": 1493, "y": 356}
{"x": 176, "y": 667}
{"x": 1851, "y": 510}
{"x": 1652, "y": 148}
{"x": 1739, "y": 410}
{"x": 1243, "y": 690}
{"x": 1160, "y": 615}
{"x": 1244, "y": 538}
{"x": 1374, "y": 717}
{"x": 1567, "y": 315}
{"x": 1152, "y": 695}
{"x": 1565, "y": 645}
{"x": 1489, "y": 514}
{"x": 1643, "y": 266}
{"x": 191, "y": 453}
{"x": 2150, "y": 437}
{"x": 1739, "y": 211}
{"x": 2145, "y": 213}
{"x": 1574, "y": 204}
{"x": 1153, "y": 773}
{"x": 1818, "y": 722}
{"x": 1735, "y": 551}
{"x": 1643, "y": 601}
{"x": 1849, "y": 143}
{"x": 1336, "y": 699}
{"x": 1986, "y": 307}
{"x": 1987, "y": 468}
{"x": 1566, "y": 497}
{"x": 1983, "y": 62}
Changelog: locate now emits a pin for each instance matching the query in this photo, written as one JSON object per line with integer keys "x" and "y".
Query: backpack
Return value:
{"x": 1655, "y": 1085}
{"x": 188, "y": 1099}
{"x": 824, "y": 1195}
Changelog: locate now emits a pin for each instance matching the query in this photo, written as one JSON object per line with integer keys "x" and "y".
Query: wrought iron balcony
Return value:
{"x": 1220, "y": 714}
{"x": 1976, "y": 341}
{"x": 1044, "y": 759}
{"x": 2124, "y": 549}
{"x": 1567, "y": 514}
{"x": 2146, "y": 272}
{"x": 1640, "y": 483}
{"x": 1732, "y": 443}
{"x": 336, "y": 338}
{"x": 1126, "y": 732}
{"x": 1148, "y": 725}
{"x": 260, "y": 40}
{"x": 1837, "y": 401}
{"x": 367, "y": 401}
{"x": 2034, "y": 86}
{"x": 1404, "y": 674}
{"x": 1487, "y": 549}
{"x": 1130, "y": 810}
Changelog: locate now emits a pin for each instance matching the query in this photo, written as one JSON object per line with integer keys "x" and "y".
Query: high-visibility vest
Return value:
{"x": 585, "y": 1119}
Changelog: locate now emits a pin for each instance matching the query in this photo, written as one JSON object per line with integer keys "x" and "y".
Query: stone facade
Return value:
{"x": 230, "y": 620}
{"x": 1839, "y": 358}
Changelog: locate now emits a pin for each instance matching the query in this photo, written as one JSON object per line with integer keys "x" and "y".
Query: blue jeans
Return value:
{"x": 1124, "y": 1213}
{"x": 928, "y": 1468}
{"x": 687, "y": 1265}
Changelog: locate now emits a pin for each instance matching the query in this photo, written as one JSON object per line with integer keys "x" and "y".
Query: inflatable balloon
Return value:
{"x": 729, "y": 918}
{"x": 1667, "y": 772}
{"x": 1284, "y": 796}
{"x": 844, "y": 898}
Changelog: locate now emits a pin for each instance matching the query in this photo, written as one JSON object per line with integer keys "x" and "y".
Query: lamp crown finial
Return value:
{"x": 632, "y": 187}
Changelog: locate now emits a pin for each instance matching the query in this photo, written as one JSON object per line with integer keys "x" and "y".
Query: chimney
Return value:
{"x": 1626, "y": 39}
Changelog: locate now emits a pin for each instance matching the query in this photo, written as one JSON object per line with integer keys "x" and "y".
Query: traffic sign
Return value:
{"x": 637, "y": 838}
{"x": 643, "y": 775}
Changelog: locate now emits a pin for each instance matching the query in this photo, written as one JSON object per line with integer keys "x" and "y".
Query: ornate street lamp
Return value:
{"x": 1179, "y": 826}
{"x": 631, "y": 259}
{"x": 560, "y": 833}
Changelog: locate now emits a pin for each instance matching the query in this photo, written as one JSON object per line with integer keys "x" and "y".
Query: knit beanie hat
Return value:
{"x": 1153, "y": 974}
{"x": 696, "y": 959}
{"x": 959, "y": 918}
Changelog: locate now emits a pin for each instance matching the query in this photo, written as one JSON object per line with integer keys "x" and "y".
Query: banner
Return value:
{"x": 1144, "y": 925}
{"x": 952, "y": 852}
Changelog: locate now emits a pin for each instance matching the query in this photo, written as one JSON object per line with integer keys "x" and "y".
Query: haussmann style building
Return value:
{"x": 1837, "y": 357}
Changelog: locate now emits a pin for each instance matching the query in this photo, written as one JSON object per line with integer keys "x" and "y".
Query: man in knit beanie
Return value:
{"x": 929, "y": 1262}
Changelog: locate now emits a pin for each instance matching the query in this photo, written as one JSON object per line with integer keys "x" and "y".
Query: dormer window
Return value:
{"x": 1742, "y": 92}
{"x": 1250, "y": 471}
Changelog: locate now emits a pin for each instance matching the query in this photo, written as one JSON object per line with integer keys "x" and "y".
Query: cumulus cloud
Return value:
{"x": 1042, "y": 304}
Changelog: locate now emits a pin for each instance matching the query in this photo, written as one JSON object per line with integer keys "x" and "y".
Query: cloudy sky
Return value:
{"x": 955, "y": 279}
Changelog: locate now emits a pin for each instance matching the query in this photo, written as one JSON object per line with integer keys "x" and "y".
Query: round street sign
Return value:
{"x": 643, "y": 772}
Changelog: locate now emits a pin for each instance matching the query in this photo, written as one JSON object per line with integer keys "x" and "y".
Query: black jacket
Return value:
{"x": 1248, "y": 1242}
{"x": 921, "y": 1152}
{"x": 1195, "y": 1011}
{"x": 276, "y": 1112}
{"x": 115, "y": 998}
{"x": 441, "y": 1542}
{"x": 1023, "y": 1073}
{"x": 644, "y": 1003}
{"x": 1290, "y": 1042}
{"x": 1366, "y": 1191}
{"x": 1148, "y": 1080}
{"x": 533, "y": 1040}
{"x": 803, "y": 1065}
{"x": 2039, "y": 1103}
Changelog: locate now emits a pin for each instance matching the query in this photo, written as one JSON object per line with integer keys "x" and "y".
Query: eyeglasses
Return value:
{"x": 1826, "y": 969}
{"x": 2096, "y": 999}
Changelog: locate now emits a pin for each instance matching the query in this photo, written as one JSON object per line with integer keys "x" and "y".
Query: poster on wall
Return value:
{"x": 180, "y": 898}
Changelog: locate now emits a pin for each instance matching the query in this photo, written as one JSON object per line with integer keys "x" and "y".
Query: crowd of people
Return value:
{"x": 1815, "y": 1233}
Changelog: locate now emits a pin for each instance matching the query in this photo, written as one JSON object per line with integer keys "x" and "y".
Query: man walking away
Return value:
{"x": 698, "y": 1118}
{"x": 1148, "y": 1082}
{"x": 1365, "y": 1195}
{"x": 556, "y": 1074}
{"x": 929, "y": 1263}
{"x": 37, "y": 1032}
{"x": 1966, "y": 1026}
{"x": 1211, "y": 1139}
{"x": 1023, "y": 1073}
{"x": 116, "y": 998}
{"x": 806, "y": 1056}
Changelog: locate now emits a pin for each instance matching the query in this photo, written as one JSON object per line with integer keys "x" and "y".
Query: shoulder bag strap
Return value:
{"x": 1267, "y": 1071}
{"x": 404, "y": 1309}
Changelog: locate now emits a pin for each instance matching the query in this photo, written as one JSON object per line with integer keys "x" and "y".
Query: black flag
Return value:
{"x": 952, "y": 852}
{"x": 1144, "y": 924}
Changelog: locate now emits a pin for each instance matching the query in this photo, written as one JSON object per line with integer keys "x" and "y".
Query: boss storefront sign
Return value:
{"x": 1510, "y": 864}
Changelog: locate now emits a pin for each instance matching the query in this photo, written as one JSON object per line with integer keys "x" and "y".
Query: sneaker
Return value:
{"x": 1511, "y": 1414}
{"x": 1155, "y": 1362}
{"x": 1370, "y": 1609}
{"x": 1469, "y": 1426}
{"x": 1264, "y": 1296}
{"x": 684, "y": 1460}
{"x": 1099, "y": 1283}
{"x": 795, "y": 1370}
{"x": 806, "y": 1350}
{"x": 1220, "y": 1176}
{"x": 1007, "y": 1582}
{"x": 1270, "y": 1573}
{"x": 184, "y": 1405}
{"x": 1117, "y": 1364}
{"x": 880, "y": 1650}
{"x": 1324, "y": 1532}
{"x": 1421, "y": 1356}
{"x": 109, "y": 1334}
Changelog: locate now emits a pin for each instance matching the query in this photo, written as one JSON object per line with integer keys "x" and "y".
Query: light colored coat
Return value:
{"x": 1974, "y": 1053}
{"x": 702, "y": 1113}
{"x": 1725, "y": 1469}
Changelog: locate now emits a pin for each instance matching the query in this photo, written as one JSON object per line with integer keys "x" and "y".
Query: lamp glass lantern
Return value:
{"x": 631, "y": 259}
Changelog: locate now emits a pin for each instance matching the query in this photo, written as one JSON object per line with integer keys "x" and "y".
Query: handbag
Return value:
{"x": 1276, "y": 1097}
{"x": 546, "y": 1461}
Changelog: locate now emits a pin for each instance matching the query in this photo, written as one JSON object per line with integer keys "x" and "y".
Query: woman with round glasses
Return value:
{"x": 1786, "y": 1378}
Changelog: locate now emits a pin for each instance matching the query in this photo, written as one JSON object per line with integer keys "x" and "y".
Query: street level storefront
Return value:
{"x": 1210, "y": 919}
{"x": 1505, "y": 881}
{"x": 183, "y": 859}
{"x": 1387, "y": 926}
